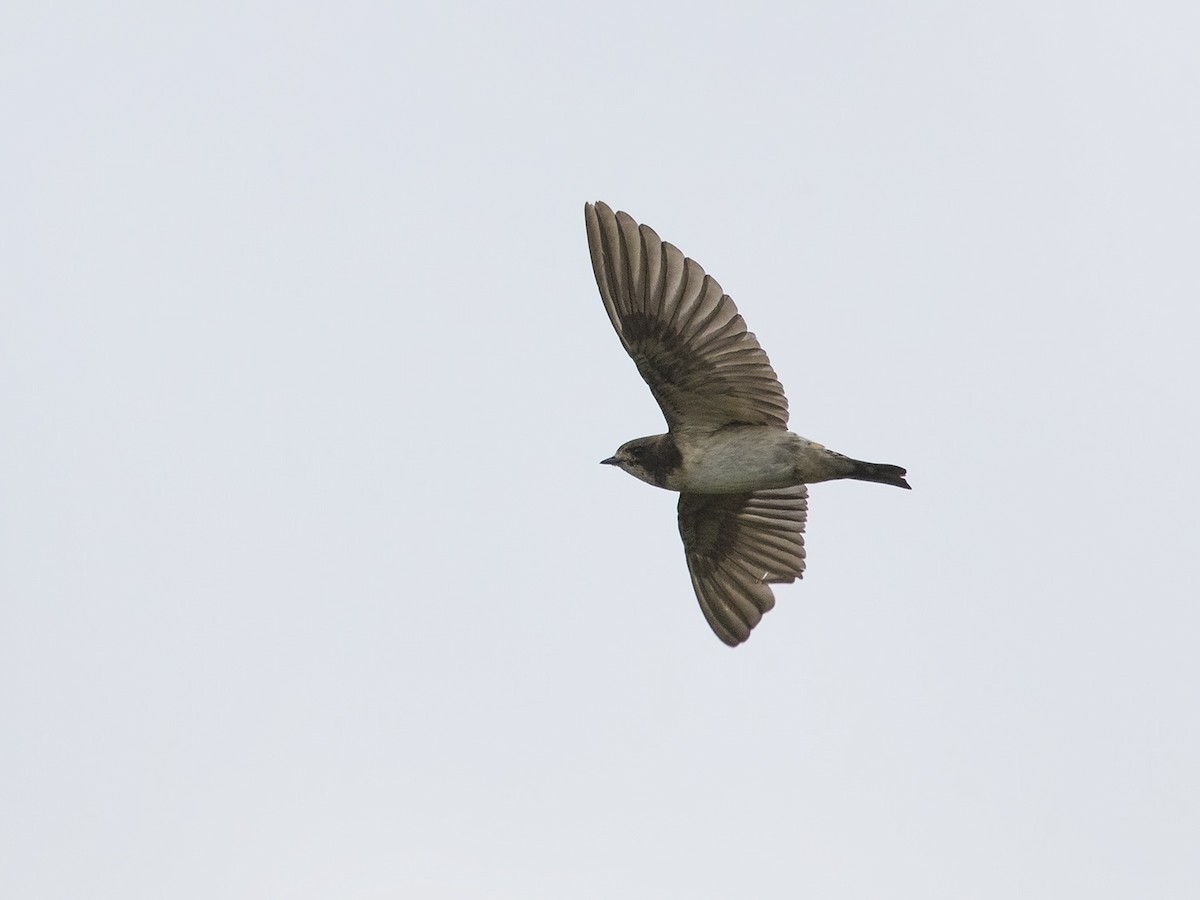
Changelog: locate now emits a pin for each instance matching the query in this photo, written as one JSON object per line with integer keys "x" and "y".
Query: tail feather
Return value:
{"x": 881, "y": 473}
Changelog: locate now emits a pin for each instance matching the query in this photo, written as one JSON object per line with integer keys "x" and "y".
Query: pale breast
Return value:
{"x": 732, "y": 460}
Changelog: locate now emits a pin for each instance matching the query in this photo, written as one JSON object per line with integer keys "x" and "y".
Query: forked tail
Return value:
{"x": 880, "y": 473}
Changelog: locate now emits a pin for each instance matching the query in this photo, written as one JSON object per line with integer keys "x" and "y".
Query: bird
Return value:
{"x": 741, "y": 475}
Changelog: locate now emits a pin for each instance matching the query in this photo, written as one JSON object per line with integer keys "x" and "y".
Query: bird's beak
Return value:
{"x": 611, "y": 461}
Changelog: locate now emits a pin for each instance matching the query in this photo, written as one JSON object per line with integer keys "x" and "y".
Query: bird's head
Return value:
{"x": 649, "y": 459}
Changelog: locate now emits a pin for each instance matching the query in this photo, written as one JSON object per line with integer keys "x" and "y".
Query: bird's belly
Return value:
{"x": 746, "y": 459}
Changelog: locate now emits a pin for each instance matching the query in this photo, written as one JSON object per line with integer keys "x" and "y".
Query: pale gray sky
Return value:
{"x": 312, "y": 586}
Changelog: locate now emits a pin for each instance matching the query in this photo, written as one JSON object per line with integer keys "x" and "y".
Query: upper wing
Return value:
{"x": 689, "y": 343}
{"x": 736, "y": 545}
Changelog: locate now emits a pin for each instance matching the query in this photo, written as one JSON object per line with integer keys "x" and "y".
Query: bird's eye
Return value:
{"x": 636, "y": 451}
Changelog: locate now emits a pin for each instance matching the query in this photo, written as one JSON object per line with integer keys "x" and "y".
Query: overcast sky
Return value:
{"x": 312, "y": 586}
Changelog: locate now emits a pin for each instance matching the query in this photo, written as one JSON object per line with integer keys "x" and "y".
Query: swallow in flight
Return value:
{"x": 740, "y": 474}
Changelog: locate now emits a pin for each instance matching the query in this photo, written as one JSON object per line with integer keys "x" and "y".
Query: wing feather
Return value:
{"x": 682, "y": 331}
{"x": 737, "y": 545}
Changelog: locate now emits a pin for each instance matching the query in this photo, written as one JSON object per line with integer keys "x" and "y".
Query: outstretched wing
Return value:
{"x": 691, "y": 346}
{"x": 738, "y": 544}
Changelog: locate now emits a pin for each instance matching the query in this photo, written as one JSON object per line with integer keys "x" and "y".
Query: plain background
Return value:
{"x": 312, "y": 585}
